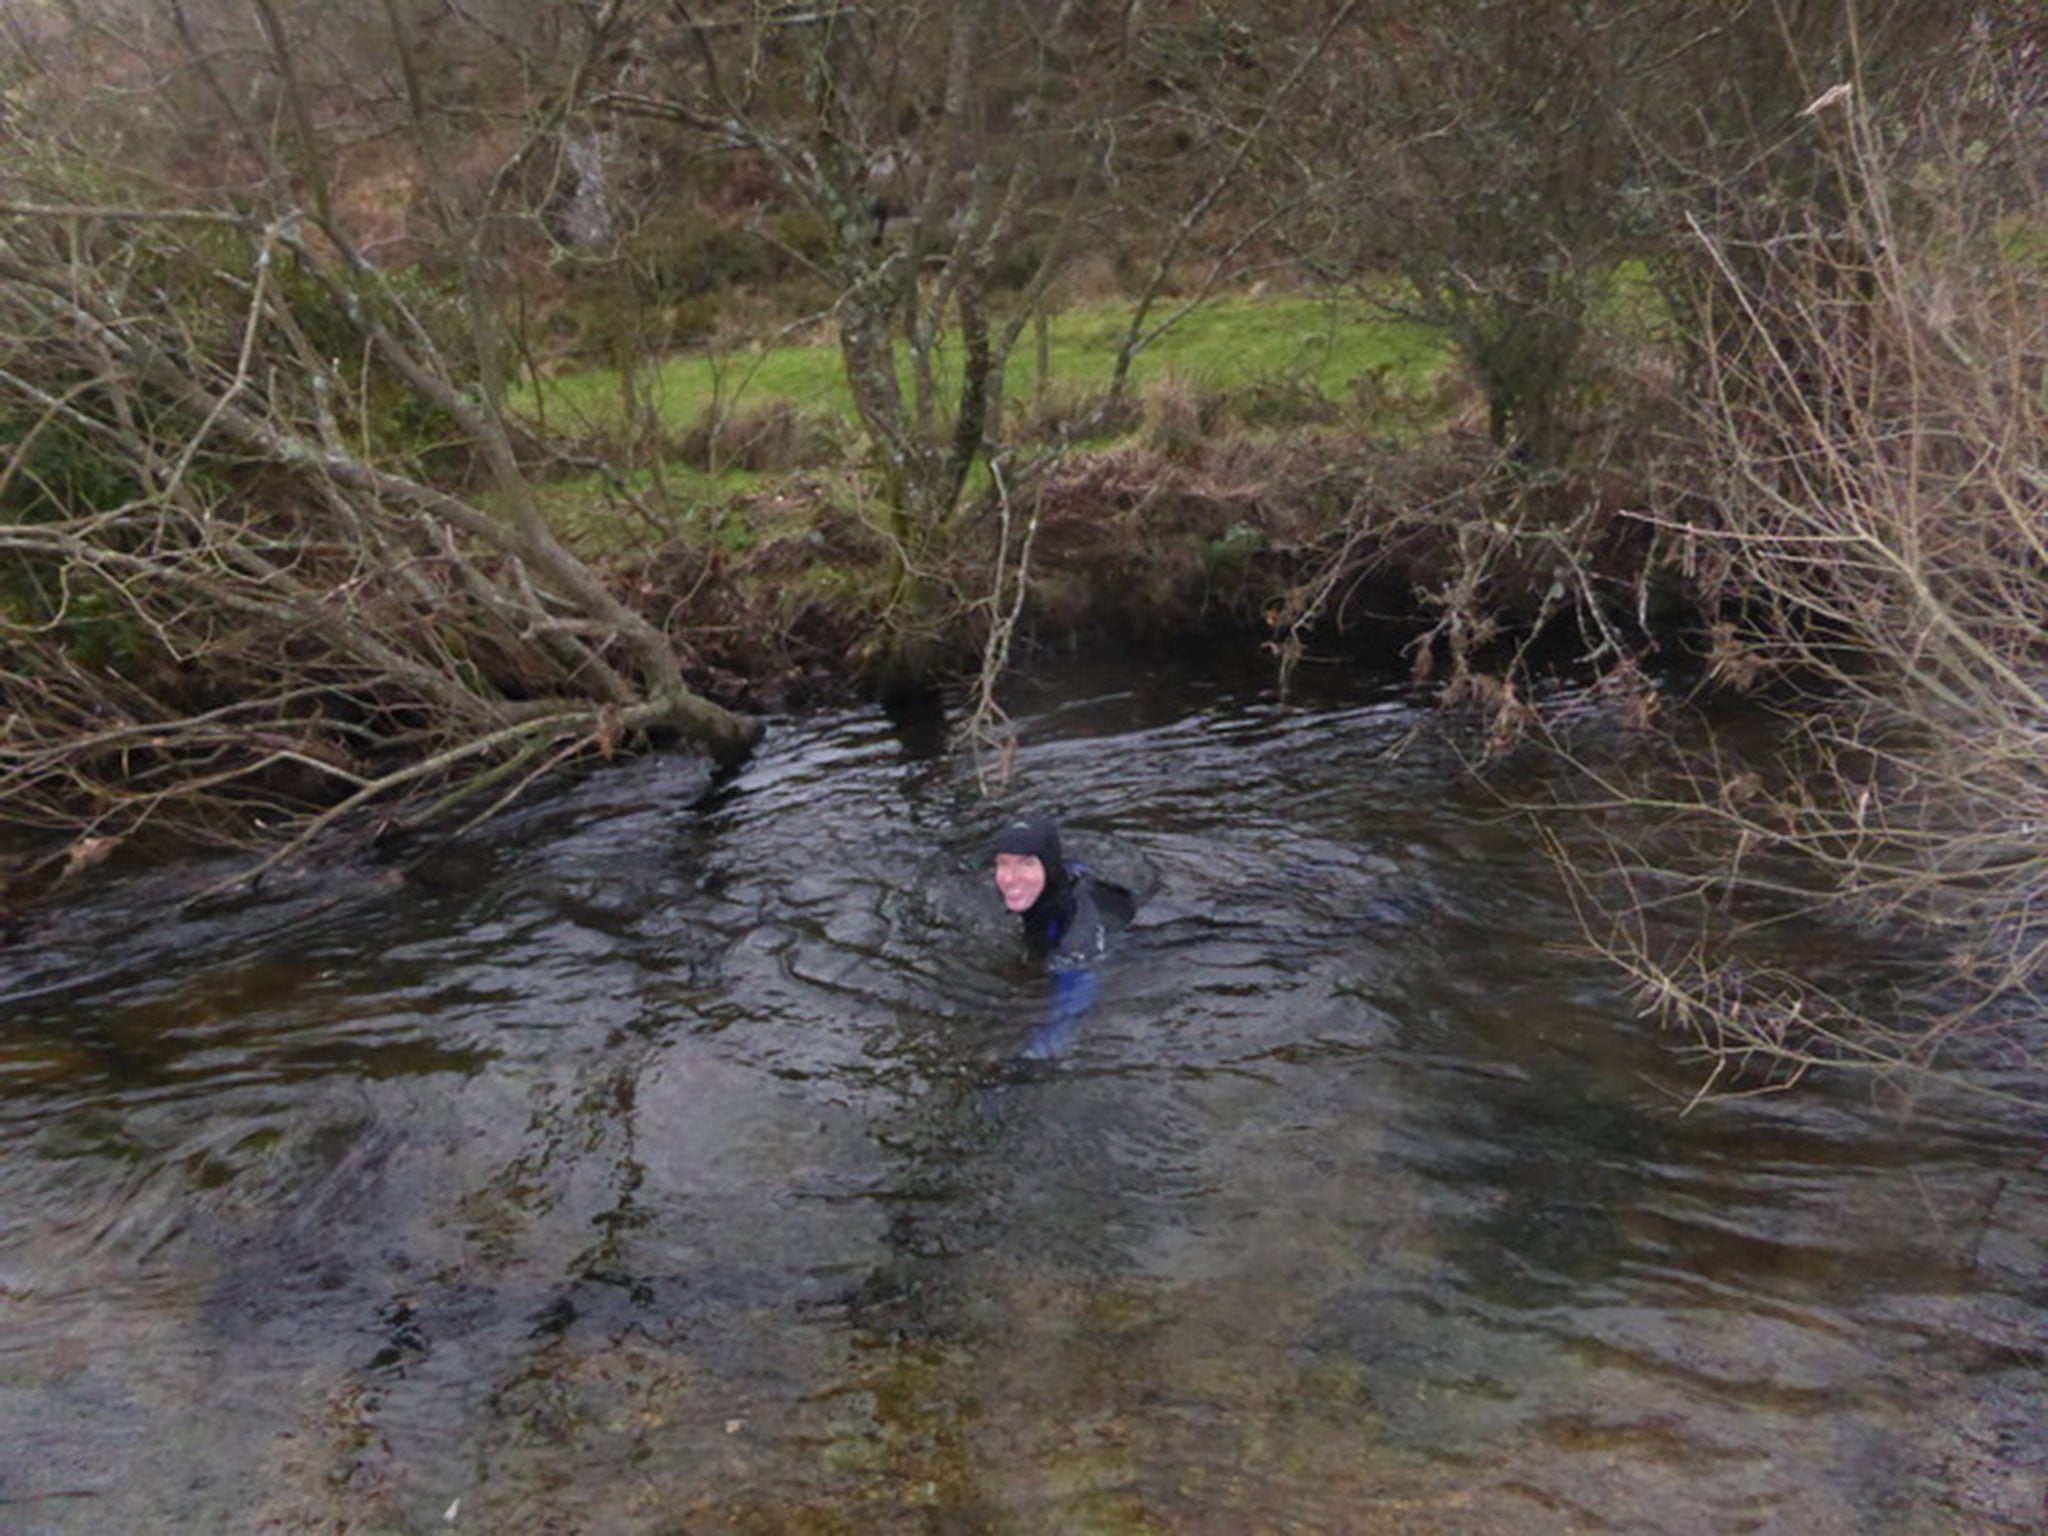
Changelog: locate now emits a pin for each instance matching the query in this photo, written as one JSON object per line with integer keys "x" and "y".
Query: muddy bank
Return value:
{"x": 1424, "y": 556}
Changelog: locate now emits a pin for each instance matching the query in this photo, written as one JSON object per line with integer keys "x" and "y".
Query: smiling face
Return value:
{"x": 1021, "y": 879}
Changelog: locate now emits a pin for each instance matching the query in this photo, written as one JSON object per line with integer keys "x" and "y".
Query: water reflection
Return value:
{"x": 639, "y": 1164}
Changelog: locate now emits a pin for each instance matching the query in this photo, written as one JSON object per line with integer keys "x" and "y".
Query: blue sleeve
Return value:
{"x": 1073, "y": 995}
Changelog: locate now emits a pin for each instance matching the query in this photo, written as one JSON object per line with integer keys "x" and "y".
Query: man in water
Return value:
{"x": 1068, "y": 918}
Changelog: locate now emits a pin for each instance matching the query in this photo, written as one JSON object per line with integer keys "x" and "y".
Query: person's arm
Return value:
{"x": 1074, "y": 989}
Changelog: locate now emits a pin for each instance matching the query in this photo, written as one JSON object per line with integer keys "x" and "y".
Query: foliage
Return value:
{"x": 1865, "y": 510}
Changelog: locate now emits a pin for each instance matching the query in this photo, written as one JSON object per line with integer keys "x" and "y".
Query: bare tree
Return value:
{"x": 1502, "y": 160}
{"x": 1869, "y": 517}
{"x": 269, "y": 545}
{"x": 937, "y": 148}
{"x": 955, "y": 156}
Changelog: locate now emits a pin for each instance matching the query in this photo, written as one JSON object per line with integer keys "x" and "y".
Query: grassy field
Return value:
{"x": 1229, "y": 345}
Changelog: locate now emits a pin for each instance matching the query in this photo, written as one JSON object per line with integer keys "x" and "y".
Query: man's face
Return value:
{"x": 1021, "y": 879}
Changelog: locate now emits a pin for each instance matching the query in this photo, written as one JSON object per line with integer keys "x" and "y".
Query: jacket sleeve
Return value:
{"x": 1074, "y": 989}
{"x": 1080, "y": 949}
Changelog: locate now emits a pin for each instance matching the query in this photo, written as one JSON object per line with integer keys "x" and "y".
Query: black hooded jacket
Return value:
{"x": 1069, "y": 926}
{"x": 1074, "y": 915}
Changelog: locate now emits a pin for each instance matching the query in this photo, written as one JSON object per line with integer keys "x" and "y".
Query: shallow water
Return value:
{"x": 647, "y": 1162}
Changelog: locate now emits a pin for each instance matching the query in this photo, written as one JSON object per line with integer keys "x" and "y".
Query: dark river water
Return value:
{"x": 648, "y": 1161}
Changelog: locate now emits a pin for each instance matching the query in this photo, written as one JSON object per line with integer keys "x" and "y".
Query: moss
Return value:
{"x": 1235, "y": 547}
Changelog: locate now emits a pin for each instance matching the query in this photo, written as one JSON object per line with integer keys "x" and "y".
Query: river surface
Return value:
{"x": 650, "y": 1160}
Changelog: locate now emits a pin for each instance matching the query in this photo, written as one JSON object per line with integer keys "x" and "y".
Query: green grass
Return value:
{"x": 582, "y": 507}
{"x": 1288, "y": 348}
{"x": 1226, "y": 344}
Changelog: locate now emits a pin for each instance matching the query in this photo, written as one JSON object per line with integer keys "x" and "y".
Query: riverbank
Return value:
{"x": 1427, "y": 551}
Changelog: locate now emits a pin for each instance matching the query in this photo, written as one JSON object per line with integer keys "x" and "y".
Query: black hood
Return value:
{"x": 1039, "y": 836}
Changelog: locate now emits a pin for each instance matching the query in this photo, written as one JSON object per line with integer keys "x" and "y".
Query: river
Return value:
{"x": 650, "y": 1160}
